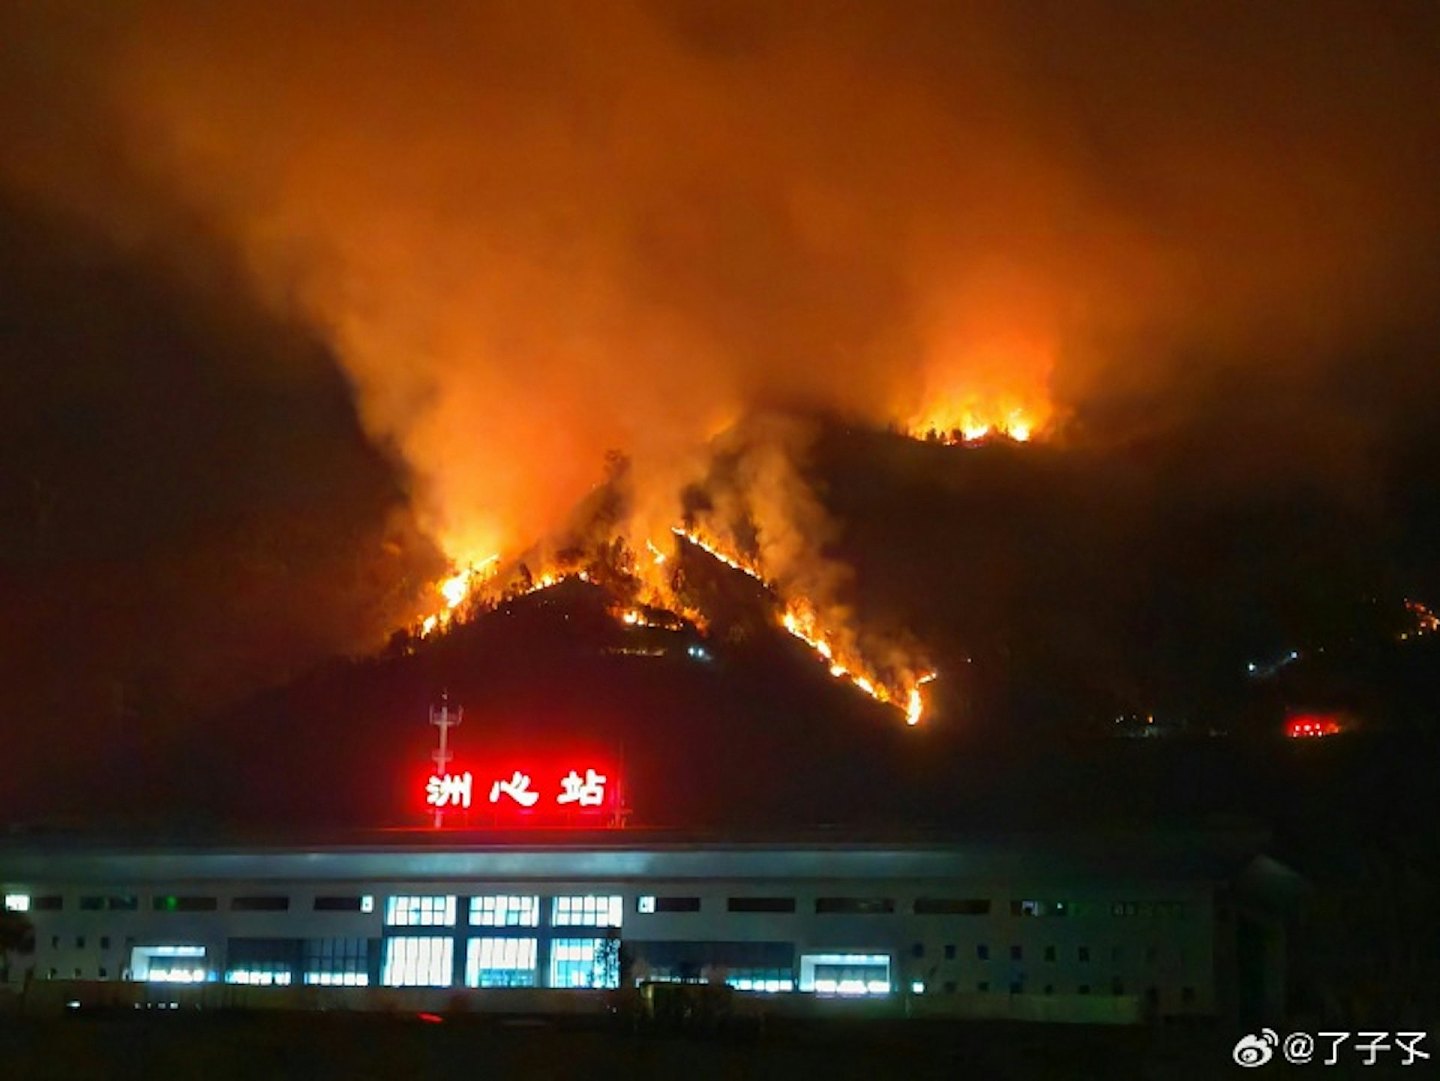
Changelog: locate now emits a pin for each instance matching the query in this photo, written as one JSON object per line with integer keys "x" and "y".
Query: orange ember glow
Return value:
{"x": 1426, "y": 621}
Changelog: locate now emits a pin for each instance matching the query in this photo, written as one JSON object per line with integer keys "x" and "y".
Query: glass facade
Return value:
{"x": 260, "y": 962}
{"x": 770, "y": 980}
{"x": 501, "y": 962}
{"x": 420, "y": 911}
{"x": 337, "y": 962}
{"x": 588, "y": 910}
{"x": 845, "y": 973}
{"x": 585, "y": 962}
{"x": 418, "y": 961}
{"x": 169, "y": 963}
{"x": 504, "y": 910}
{"x": 261, "y": 974}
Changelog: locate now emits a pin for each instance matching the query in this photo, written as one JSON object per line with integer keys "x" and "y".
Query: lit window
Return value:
{"x": 772, "y": 981}
{"x": 1041, "y": 908}
{"x": 418, "y": 962}
{"x": 168, "y": 964}
{"x": 504, "y": 910}
{"x": 17, "y": 902}
{"x": 260, "y": 962}
{"x": 500, "y": 962}
{"x": 269, "y": 974}
{"x": 590, "y": 910}
{"x": 845, "y": 973}
{"x": 585, "y": 962}
{"x": 420, "y": 911}
{"x": 337, "y": 962}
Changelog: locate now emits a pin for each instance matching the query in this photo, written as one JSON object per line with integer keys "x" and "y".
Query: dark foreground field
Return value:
{"x": 221, "y": 1047}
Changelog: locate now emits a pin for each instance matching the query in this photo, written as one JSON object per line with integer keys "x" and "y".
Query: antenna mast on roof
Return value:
{"x": 444, "y": 719}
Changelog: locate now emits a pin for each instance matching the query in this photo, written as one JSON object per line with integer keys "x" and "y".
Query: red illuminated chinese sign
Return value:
{"x": 584, "y": 789}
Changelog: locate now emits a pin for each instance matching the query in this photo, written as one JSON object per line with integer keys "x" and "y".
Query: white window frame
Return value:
{"x": 505, "y": 910}
{"x": 420, "y": 910}
{"x": 587, "y": 910}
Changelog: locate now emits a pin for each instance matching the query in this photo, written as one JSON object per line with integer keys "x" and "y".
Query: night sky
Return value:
{"x": 303, "y": 303}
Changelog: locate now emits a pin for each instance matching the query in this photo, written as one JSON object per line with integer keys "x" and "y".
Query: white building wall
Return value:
{"x": 1131, "y": 936}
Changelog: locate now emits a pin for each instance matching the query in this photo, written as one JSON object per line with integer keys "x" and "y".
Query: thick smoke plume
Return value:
{"x": 534, "y": 233}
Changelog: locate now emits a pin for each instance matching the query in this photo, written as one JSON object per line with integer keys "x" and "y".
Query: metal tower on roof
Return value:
{"x": 444, "y": 719}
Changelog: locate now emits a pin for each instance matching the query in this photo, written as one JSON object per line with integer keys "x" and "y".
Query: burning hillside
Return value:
{"x": 802, "y": 583}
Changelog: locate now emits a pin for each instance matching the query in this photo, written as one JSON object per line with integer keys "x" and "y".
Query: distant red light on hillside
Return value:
{"x": 1313, "y": 725}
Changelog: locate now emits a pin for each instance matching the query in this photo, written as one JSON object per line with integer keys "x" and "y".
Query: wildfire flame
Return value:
{"x": 468, "y": 583}
{"x": 799, "y": 618}
{"x": 712, "y": 549}
{"x": 971, "y": 426}
{"x": 800, "y": 621}
{"x": 797, "y": 615}
{"x": 454, "y": 590}
{"x": 661, "y": 619}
